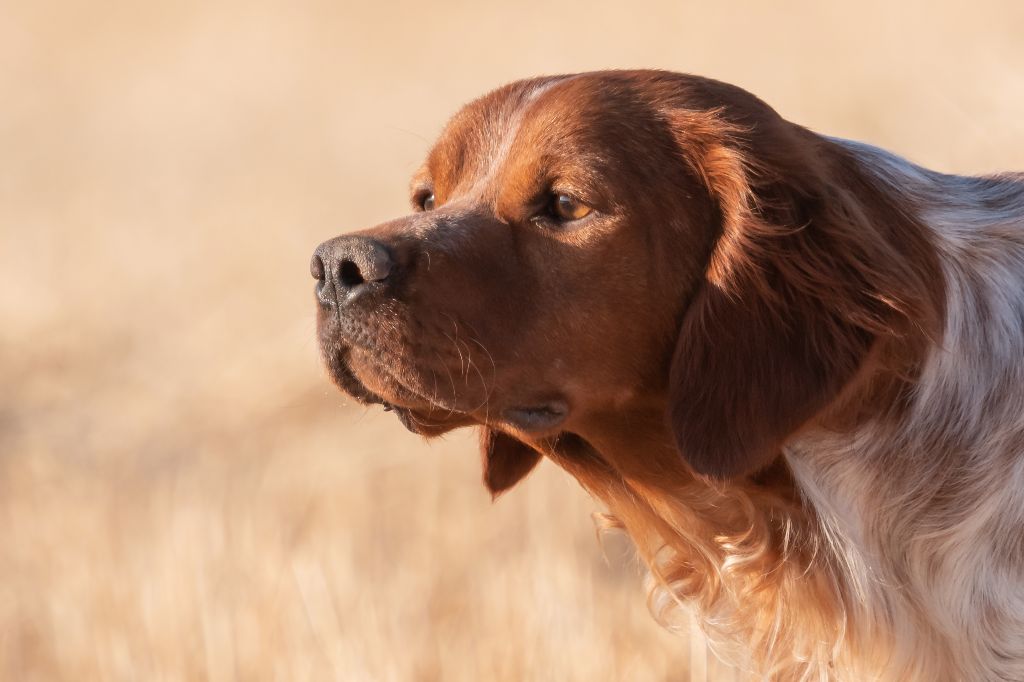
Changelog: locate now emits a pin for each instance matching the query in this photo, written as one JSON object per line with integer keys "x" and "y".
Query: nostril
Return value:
{"x": 351, "y": 263}
{"x": 316, "y": 268}
{"x": 349, "y": 274}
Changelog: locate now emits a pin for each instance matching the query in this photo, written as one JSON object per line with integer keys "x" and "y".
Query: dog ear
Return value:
{"x": 813, "y": 264}
{"x": 506, "y": 460}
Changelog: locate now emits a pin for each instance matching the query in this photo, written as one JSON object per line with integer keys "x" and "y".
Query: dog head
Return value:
{"x": 627, "y": 255}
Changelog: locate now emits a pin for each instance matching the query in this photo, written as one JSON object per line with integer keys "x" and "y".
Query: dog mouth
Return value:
{"x": 417, "y": 414}
{"x": 428, "y": 417}
{"x": 341, "y": 372}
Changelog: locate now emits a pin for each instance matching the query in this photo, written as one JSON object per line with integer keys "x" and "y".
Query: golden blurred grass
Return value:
{"x": 182, "y": 495}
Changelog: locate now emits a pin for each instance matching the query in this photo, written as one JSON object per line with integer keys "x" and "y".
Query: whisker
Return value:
{"x": 451, "y": 403}
{"x": 433, "y": 398}
{"x": 494, "y": 371}
{"x": 462, "y": 368}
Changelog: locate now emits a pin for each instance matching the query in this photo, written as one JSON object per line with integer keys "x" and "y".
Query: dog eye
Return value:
{"x": 423, "y": 200}
{"x": 567, "y": 208}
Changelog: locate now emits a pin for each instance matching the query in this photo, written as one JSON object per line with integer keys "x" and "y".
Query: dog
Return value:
{"x": 792, "y": 366}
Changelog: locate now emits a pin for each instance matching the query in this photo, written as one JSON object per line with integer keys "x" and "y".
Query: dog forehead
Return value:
{"x": 590, "y": 107}
{"x": 480, "y": 137}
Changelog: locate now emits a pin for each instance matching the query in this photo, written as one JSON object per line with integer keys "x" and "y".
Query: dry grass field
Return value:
{"x": 182, "y": 494}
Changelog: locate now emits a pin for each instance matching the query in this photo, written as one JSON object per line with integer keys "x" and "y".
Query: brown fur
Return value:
{"x": 739, "y": 279}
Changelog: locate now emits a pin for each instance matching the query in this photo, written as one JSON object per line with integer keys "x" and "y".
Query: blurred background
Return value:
{"x": 183, "y": 496}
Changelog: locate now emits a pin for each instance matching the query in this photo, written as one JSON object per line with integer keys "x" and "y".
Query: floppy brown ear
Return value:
{"x": 745, "y": 377}
{"x": 814, "y": 264}
{"x": 506, "y": 460}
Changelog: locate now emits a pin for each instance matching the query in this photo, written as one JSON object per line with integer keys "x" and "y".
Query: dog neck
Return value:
{"x": 748, "y": 555}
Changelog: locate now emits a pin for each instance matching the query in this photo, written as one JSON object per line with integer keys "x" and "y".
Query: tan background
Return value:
{"x": 182, "y": 495}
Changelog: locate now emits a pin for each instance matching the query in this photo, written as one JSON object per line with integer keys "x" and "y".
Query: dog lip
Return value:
{"x": 349, "y": 383}
{"x": 416, "y": 415}
{"x": 535, "y": 418}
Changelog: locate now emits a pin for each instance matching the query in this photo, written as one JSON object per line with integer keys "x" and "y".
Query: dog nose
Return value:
{"x": 345, "y": 264}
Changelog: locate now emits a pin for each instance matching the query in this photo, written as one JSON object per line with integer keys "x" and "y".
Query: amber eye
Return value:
{"x": 568, "y": 208}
